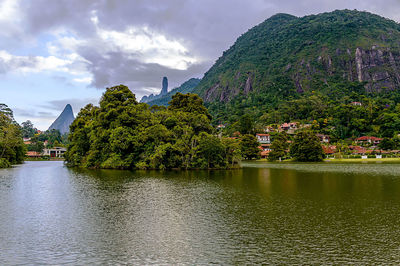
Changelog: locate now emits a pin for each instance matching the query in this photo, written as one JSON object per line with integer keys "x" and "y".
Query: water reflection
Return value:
{"x": 50, "y": 214}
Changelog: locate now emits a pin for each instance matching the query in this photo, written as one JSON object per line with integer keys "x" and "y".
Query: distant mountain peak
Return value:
{"x": 64, "y": 120}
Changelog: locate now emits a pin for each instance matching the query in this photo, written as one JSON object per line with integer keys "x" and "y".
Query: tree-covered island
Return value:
{"x": 124, "y": 134}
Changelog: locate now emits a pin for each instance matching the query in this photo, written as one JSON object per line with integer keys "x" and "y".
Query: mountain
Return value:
{"x": 152, "y": 97}
{"x": 287, "y": 56}
{"x": 186, "y": 87}
{"x": 64, "y": 120}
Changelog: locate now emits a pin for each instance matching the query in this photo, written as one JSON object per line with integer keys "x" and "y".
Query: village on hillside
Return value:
{"x": 363, "y": 147}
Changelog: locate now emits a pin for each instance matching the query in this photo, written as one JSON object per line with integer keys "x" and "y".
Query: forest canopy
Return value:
{"x": 12, "y": 148}
{"x": 124, "y": 134}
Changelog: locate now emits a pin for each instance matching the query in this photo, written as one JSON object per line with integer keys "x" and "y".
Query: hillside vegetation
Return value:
{"x": 328, "y": 56}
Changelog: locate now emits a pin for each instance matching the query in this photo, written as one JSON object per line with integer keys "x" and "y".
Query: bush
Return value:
{"x": 4, "y": 163}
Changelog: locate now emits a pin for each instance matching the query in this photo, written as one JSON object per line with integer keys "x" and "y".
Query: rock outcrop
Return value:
{"x": 152, "y": 97}
{"x": 64, "y": 120}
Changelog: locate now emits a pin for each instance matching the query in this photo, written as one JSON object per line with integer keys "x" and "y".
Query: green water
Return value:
{"x": 264, "y": 213}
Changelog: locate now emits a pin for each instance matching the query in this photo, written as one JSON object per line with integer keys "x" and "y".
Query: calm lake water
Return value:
{"x": 264, "y": 213}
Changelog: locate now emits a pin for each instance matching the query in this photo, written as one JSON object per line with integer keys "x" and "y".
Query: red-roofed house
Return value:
{"x": 263, "y": 138}
{"x": 329, "y": 149}
{"x": 33, "y": 154}
{"x": 368, "y": 140}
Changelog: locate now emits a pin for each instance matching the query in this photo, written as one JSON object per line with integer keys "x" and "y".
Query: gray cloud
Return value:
{"x": 205, "y": 27}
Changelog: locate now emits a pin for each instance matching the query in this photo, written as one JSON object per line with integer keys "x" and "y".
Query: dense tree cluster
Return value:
{"x": 124, "y": 134}
{"x": 12, "y": 149}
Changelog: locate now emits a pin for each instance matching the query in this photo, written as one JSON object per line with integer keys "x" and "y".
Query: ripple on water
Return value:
{"x": 285, "y": 214}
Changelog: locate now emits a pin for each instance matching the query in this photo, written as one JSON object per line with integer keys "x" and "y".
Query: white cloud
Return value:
{"x": 35, "y": 64}
{"x": 87, "y": 80}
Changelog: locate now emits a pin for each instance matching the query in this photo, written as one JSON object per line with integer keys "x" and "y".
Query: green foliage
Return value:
{"x": 12, "y": 148}
{"x": 249, "y": 147}
{"x": 287, "y": 58}
{"x": 279, "y": 147}
{"x": 246, "y": 124}
{"x": 306, "y": 147}
{"x": 125, "y": 134}
{"x": 4, "y": 163}
{"x": 36, "y": 146}
{"x": 387, "y": 144}
{"x": 28, "y": 131}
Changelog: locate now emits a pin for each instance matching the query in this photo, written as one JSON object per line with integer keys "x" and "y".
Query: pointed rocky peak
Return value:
{"x": 64, "y": 120}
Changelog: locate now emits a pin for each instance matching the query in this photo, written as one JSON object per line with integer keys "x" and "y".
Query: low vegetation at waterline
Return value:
{"x": 12, "y": 148}
{"x": 124, "y": 134}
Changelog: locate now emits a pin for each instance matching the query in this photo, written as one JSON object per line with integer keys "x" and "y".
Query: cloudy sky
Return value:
{"x": 54, "y": 52}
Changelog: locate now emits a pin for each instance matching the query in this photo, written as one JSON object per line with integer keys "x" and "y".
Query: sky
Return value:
{"x": 69, "y": 51}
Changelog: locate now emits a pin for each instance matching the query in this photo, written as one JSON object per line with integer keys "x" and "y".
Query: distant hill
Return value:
{"x": 287, "y": 56}
{"x": 64, "y": 120}
{"x": 186, "y": 87}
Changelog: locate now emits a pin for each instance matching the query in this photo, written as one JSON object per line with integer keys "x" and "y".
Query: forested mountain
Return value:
{"x": 286, "y": 58}
{"x": 186, "y": 87}
{"x": 64, "y": 120}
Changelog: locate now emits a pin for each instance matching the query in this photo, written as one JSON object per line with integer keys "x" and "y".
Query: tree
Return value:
{"x": 249, "y": 147}
{"x": 210, "y": 152}
{"x": 246, "y": 124}
{"x": 306, "y": 147}
{"x": 28, "y": 131}
{"x": 12, "y": 148}
{"x": 279, "y": 147}
{"x": 387, "y": 144}
{"x": 125, "y": 134}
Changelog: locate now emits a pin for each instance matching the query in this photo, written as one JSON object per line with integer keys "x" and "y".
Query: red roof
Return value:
{"x": 365, "y": 138}
{"x": 329, "y": 149}
{"x": 265, "y": 153}
{"x": 32, "y": 153}
{"x": 263, "y": 135}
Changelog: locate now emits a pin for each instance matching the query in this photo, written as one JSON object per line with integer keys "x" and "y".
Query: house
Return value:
{"x": 263, "y": 138}
{"x": 220, "y": 126}
{"x": 359, "y": 150}
{"x": 264, "y": 154}
{"x": 265, "y": 150}
{"x": 329, "y": 150}
{"x": 27, "y": 141}
{"x": 56, "y": 152}
{"x": 368, "y": 140}
{"x": 323, "y": 138}
{"x": 269, "y": 129}
{"x": 290, "y": 128}
{"x": 356, "y": 103}
{"x": 265, "y": 147}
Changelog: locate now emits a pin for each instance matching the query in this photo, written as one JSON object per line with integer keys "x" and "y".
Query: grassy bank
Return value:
{"x": 353, "y": 160}
{"x": 356, "y": 160}
{"x": 44, "y": 159}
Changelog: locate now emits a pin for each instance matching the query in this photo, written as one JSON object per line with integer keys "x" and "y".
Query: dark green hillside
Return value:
{"x": 286, "y": 57}
{"x": 186, "y": 87}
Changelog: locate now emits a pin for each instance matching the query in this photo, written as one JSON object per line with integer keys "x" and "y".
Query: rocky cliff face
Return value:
{"x": 64, "y": 120}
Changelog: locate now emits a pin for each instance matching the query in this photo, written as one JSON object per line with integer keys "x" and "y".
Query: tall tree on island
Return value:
{"x": 249, "y": 147}
{"x": 306, "y": 147}
{"x": 279, "y": 147}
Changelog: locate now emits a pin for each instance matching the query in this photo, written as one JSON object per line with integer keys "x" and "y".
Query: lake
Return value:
{"x": 263, "y": 213}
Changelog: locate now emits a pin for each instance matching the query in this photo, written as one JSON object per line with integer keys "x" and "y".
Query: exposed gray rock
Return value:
{"x": 64, "y": 120}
